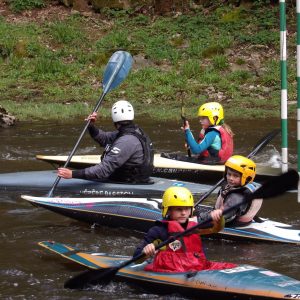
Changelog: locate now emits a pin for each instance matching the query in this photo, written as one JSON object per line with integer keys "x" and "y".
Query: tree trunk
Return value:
{"x": 166, "y": 7}
{"x": 81, "y": 5}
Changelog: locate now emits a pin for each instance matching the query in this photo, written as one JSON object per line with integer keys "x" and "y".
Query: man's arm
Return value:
{"x": 102, "y": 137}
{"x": 121, "y": 152}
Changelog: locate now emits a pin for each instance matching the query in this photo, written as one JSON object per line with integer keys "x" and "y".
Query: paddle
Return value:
{"x": 183, "y": 118}
{"x": 257, "y": 148}
{"x": 272, "y": 188}
{"x": 115, "y": 72}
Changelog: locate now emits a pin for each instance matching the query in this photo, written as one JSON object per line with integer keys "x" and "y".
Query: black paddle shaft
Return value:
{"x": 257, "y": 148}
{"x": 275, "y": 187}
{"x": 76, "y": 146}
{"x": 183, "y": 118}
{"x": 188, "y": 148}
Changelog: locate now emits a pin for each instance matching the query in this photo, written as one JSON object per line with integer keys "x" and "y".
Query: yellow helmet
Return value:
{"x": 211, "y": 110}
{"x": 243, "y": 165}
{"x": 176, "y": 196}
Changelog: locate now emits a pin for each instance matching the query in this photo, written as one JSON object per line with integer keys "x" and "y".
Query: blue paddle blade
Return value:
{"x": 116, "y": 70}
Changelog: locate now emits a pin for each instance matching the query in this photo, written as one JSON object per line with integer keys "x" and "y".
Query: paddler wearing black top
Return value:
{"x": 128, "y": 154}
{"x": 239, "y": 175}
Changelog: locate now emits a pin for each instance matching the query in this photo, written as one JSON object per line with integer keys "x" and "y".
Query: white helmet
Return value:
{"x": 122, "y": 111}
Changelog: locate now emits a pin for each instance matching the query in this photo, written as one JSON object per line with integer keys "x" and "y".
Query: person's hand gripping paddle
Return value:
{"x": 115, "y": 72}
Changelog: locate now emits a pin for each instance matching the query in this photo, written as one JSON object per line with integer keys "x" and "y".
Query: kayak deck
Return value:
{"x": 43, "y": 181}
{"x": 241, "y": 282}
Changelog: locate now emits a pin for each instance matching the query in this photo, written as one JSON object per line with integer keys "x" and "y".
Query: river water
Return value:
{"x": 30, "y": 272}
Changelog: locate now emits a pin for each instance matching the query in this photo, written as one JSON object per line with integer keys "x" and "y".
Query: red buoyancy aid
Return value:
{"x": 226, "y": 143}
{"x": 183, "y": 255}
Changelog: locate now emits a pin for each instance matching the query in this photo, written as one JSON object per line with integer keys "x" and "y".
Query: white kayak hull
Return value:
{"x": 164, "y": 167}
{"x": 140, "y": 214}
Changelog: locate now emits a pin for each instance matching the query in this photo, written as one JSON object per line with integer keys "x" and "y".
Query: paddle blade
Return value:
{"x": 277, "y": 185}
{"x": 116, "y": 70}
{"x": 91, "y": 277}
{"x": 263, "y": 142}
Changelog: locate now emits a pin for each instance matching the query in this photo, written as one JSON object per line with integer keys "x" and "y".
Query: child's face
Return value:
{"x": 233, "y": 177}
{"x": 204, "y": 121}
{"x": 179, "y": 213}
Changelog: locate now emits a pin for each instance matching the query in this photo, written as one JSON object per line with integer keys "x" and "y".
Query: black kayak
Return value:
{"x": 42, "y": 181}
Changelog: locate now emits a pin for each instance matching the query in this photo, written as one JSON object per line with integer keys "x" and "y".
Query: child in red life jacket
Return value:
{"x": 215, "y": 144}
{"x": 239, "y": 174}
{"x": 184, "y": 254}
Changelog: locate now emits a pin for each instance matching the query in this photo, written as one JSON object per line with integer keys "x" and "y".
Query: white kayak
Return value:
{"x": 164, "y": 167}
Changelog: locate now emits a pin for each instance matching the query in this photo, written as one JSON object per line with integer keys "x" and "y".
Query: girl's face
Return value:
{"x": 233, "y": 177}
{"x": 179, "y": 213}
{"x": 204, "y": 121}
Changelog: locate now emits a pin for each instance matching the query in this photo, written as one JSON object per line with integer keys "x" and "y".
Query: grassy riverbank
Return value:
{"x": 52, "y": 61}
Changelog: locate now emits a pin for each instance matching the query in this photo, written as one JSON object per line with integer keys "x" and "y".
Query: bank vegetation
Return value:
{"x": 52, "y": 58}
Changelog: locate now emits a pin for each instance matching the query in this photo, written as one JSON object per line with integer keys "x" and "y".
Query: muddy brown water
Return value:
{"x": 30, "y": 272}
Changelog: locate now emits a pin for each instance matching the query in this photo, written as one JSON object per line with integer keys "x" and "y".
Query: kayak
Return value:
{"x": 240, "y": 282}
{"x": 43, "y": 181}
{"x": 140, "y": 214}
{"x": 165, "y": 167}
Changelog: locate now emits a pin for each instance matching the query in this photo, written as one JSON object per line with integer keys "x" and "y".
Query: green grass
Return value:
{"x": 53, "y": 70}
{"x": 40, "y": 110}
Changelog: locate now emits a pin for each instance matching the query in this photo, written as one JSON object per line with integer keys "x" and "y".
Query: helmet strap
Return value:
{"x": 248, "y": 179}
{"x": 215, "y": 119}
{"x": 122, "y": 123}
